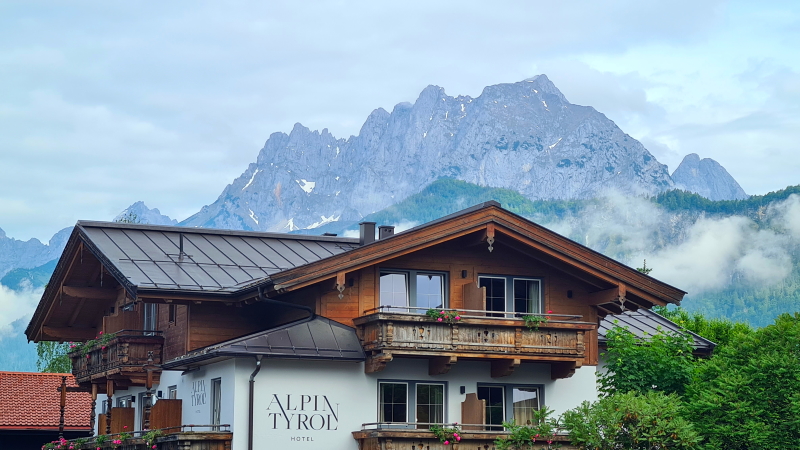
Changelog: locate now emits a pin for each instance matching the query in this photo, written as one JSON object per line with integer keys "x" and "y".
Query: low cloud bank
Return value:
{"x": 15, "y": 305}
{"x": 689, "y": 250}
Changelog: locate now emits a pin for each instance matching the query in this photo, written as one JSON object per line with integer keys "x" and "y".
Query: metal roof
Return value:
{"x": 318, "y": 338}
{"x": 644, "y": 322}
{"x": 218, "y": 261}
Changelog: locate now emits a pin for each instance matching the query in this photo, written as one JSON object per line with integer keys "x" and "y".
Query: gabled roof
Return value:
{"x": 644, "y": 322}
{"x": 318, "y": 338}
{"x": 31, "y": 401}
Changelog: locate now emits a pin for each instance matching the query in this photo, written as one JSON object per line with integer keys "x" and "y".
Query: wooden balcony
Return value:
{"x": 505, "y": 341}
{"x": 122, "y": 358}
{"x": 390, "y": 437}
{"x": 184, "y": 437}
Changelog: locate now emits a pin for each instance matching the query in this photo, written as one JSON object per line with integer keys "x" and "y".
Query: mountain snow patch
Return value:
{"x": 251, "y": 180}
{"x": 307, "y": 186}
{"x": 324, "y": 221}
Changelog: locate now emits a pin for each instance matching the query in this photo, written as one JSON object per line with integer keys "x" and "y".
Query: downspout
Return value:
{"x": 252, "y": 390}
{"x": 262, "y": 299}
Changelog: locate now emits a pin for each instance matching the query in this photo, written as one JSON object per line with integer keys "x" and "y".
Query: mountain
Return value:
{"x": 523, "y": 136}
{"x": 140, "y": 213}
{"x": 31, "y": 253}
{"x": 21, "y": 279}
{"x": 18, "y": 354}
{"x": 707, "y": 178}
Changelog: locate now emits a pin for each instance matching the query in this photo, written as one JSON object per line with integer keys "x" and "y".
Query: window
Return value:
{"x": 393, "y": 402}
{"x": 172, "y": 392}
{"x": 125, "y": 402}
{"x": 517, "y": 294}
{"x": 150, "y": 314}
{"x": 495, "y": 404}
{"x": 144, "y": 402}
{"x": 418, "y": 290}
{"x": 172, "y": 314}
{"x": 430, "y": 403}
{"x": 216, "y": 402}
{"x": 425, "y": 400}
{"x": 509, "y": 403}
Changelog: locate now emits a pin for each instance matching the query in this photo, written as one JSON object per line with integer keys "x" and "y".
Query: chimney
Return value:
{"x": 366, "y": 233}
{"x": 385, "y": 231}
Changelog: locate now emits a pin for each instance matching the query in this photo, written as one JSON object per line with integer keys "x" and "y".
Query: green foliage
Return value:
{"x": 20, "y": 279}
{"x": 661, "y": 362}
{"x": 447, "y": 435}
{"x": 644, "y": 269}
{"x": 52, "y": 357}
{"x": 677, "y": 200}
{"x": 539, "y": 434}
{"x": 630, "y": 421}
{"x": 150, "y": 437}
{"x": 440, "y": 315}
{"x": 719, "y": 331}
{"x": 534, "y": 321}
{"x": 748, "y": 395}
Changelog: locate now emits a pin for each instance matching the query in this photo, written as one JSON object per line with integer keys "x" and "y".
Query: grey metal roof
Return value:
{"x": 318, "y": 338}
{"x": 212, "y": 261}
{"x": 645, "y": 322}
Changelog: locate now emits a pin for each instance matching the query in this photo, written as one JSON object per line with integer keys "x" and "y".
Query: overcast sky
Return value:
{"x": 106, "y": 103}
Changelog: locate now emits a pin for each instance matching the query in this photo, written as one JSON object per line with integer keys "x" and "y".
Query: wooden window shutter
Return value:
{"x": 473, "y": 411}
{"x": 474, "y": 298}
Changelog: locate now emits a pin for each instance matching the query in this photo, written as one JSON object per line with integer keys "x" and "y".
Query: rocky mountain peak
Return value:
{"x": 708, "y": 178}
{"x": 524, "y": 136}
{"x": 138, "y": 212}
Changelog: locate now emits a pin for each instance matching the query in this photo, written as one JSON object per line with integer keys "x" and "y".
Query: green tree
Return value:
{"x": 719, "y": 331}
{"x": 748, "y": 395}
{"x": 630, "y": 421}
{"x": 52, "y": 357}
{"x": 661, "y": 362}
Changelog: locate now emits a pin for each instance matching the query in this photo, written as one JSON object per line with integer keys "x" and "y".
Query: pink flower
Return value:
{"x": 536, "y": 435}
{"x": 446, "y": 442}
{"x": 439, "y": 319}
{"x": 458, "y": 438}
{"x": 87, "y": 356}
{"x": 444, "y": 312}
{"x": 153, "y": 446}
{"x": 549, "y": 312}
{"x": 125, "y": 427}
{"x": 455, "y": 423}
{"x": 550, "y": 442}
{"x": 101, "y": 333}
{"x": 458, "y": 317}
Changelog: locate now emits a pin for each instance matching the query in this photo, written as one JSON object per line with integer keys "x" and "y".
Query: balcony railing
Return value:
{"x": 413, "y": 436}
{"x": 184, "y": 437}
{"x": 125, "y": 353}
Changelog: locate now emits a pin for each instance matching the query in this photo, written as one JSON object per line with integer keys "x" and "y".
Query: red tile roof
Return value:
{"x": 30, "y": 400}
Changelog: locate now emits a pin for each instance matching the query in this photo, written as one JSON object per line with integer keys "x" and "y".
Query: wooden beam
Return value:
{"x": 70, "y": 334}
{"x": 440, "y": 365}
{"x": 504, "y": 367}
{"x": 76, "y": 312}
{"x": 607, "y": 296}
{"x": 90, "y": 293}
{"x": 559, "y": 370}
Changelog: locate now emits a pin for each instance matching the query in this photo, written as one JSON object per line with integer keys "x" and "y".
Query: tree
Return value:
{"x": 719, "y": 331}
{"x": 748, "y": 395}
{"x": 661, "y": 362}
{"x": 644, "y": 269}
{"x": 632, "y": 421}
{"x": 52, "y": 357}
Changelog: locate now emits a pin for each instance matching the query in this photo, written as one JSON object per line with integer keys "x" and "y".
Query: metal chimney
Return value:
{"x": 385, "y": 231}
{"x": 366, "y": 233}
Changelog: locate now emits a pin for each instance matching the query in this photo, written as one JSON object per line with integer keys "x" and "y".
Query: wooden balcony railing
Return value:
{"x": 413, "y": 436}
{"x": 124, "y": 355}
{"x": 502, "y": 338}
{"x": 184, "y": 437}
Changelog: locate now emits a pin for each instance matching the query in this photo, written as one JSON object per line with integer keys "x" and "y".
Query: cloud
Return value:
{"x": 15, "y": 305}
{"x": 690, "y": 251}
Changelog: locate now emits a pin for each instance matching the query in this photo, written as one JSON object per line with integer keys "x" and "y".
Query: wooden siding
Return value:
{"x": 175, "y": 333}
{"x": 562, "y": 293}
{"x": 211, "y": 323}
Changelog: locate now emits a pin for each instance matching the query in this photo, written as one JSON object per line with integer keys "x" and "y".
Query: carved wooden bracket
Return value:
{"x": 440, "y": 365}
{"x": 490, "y": 236}
{"x": 504, "y": 367}
{"x": 340, "y": 280}
{"x": 564, "y": 369}
{"x": 376, "y": 363}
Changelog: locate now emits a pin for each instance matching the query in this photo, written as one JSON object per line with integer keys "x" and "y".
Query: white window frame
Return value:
{"x": 411, "y": 287}
{"x": 509, "y": 291}
{"x": 216, "y": 402}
